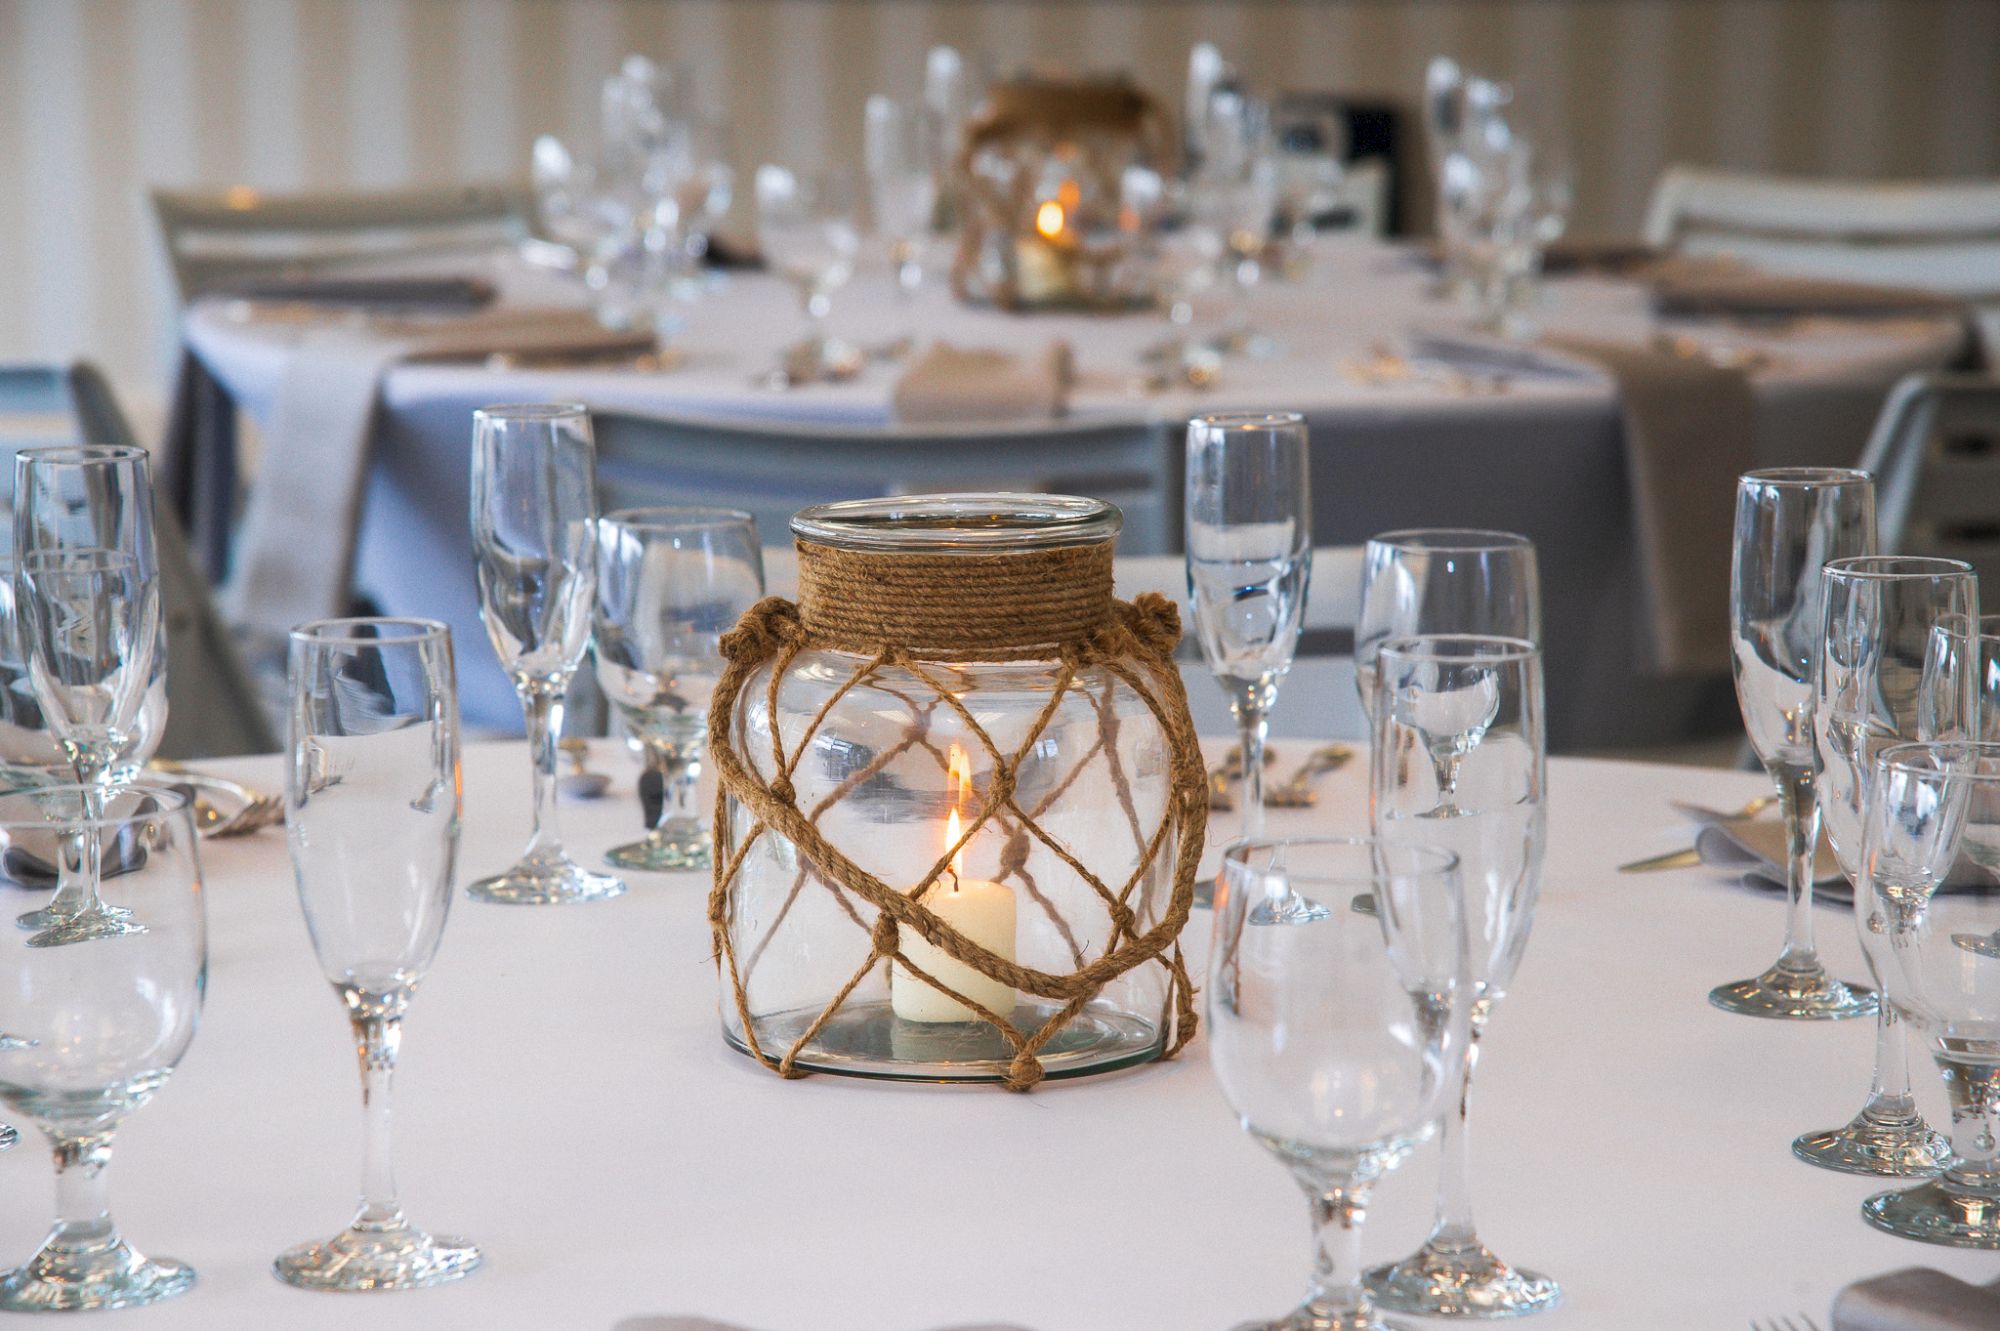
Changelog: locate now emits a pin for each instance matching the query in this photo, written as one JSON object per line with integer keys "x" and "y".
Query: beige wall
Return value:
{"x": 98, "y": 98}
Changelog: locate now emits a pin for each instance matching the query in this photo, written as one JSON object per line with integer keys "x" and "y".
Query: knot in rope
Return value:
{"x": 1154, "y": 621}
{"x": 764, "y": 628}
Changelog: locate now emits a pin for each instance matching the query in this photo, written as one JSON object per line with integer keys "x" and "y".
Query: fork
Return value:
{"x": 1295, "y": 791}
{"x": 1803, "y": 1322}
{"x": 1701, "y": 813}
{"x": 1226, "y": 772}
{"x": 259, "y": 813}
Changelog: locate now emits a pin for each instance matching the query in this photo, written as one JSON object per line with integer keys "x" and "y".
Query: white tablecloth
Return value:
{"x": 1544, "y": 458}
{"x": 567, "y": 1101}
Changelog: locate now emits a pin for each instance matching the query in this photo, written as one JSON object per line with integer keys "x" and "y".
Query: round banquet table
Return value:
{"x": 567, "y": 1101}
{"x": 1543, "y": 457}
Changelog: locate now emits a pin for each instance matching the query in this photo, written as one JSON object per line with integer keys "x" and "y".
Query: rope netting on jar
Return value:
{"x": 915, "y": 622}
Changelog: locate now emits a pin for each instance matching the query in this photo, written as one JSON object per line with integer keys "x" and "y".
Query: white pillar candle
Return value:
{"x": 979, "y": 909}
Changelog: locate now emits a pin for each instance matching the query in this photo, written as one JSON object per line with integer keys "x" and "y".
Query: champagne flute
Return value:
{"x": 534, "y": 535}
{"x": 807, "y": 229}
{"x": 1337, "y": 1036}
{"x": 1249, "y": 560}
{"x": 1444, "y": 580}
{"x": 94, "y": 1029}
{"x": 1234, "y": 198}
{"x": 1789, "y": 522}
{"x": 1959, "y": 697}
{"x": 1479, "y": 699}
{"x": 87, "y": 593}
{"x": 1880, "y": 614}
{"x": 902, "y": 188}
{"x": 372, "y": 816}
{"x": 1941, "y": 969}
{"x": 670, "y": 583}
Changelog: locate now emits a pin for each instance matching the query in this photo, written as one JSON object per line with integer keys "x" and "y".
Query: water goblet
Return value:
{"x": 534, "y": 535}
{"x": 1444, "y": 580}
{"x": 670, "y": 583}
{"x": 1337, "y": 1036}
{"x": 1249, "y": 559}
{"x": 95, "y": 1028}
{"x": 1479, "y": 699}
{"x": 1789, "y": 522}
{"x": 372, "y": 816}
{"x": 807, "y": 229}
{"x": 1880, "y": 613}
{"x": 88, "y": 615}
{"x": 1941, "y": 969}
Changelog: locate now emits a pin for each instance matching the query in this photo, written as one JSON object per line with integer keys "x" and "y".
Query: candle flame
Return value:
{"x": 958, "y": 785}
{"x": 1049, "y": 219}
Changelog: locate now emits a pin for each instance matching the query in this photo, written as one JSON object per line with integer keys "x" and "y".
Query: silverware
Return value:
{"x": 239, "y": 810}
{"x": 264, "y": 811}
{"x": 1226, "y": 773}
{"x": 1295, "y": 791}
{"x": 1677, "y": 859}
{"x": 1703, "y": 814}
{"x": 1803, "y": 1322}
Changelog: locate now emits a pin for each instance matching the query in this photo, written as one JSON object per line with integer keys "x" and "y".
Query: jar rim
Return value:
{"x": 959, "y": 523}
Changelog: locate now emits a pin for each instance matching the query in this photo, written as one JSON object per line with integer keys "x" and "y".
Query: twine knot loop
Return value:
{"x": 765, "y": 627}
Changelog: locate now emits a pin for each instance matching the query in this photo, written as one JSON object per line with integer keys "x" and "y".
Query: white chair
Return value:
{"x": 218, "y": 237}
{"x": 212, "y": 706}
{"x": 1935, "y": 456}
{"x": 1939, "y": 235}
{"x": 773, "y": 469}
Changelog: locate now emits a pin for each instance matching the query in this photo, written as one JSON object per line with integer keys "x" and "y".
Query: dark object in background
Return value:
{"x": 1373, "y": 129}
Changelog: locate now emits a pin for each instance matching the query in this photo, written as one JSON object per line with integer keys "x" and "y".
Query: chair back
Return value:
{"x": 218, "y": 238}
{"x": 1943, "y": 236}
{"x": 211, "y": 706}
{"x": 1935, "y": 456}
{"x": 772, "y": 470}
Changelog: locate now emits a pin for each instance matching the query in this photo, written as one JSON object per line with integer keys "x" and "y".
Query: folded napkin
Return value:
{"x": 1916, "y": 1298}
{"x": 295, "y": 553}
{"x": 1709, "y": 288}
{"x": 29, "y": 860}
{"x": 1688, "y": 435}
{"x": 954, "y": 385}
{"x": 404, "y": 293}
{"x": 1757, "y": 848}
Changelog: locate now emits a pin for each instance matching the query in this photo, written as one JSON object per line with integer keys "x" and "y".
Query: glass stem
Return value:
{"x": 80, "y": 857}
{"x": 542, "y": 701}
{"x": 83, "y": 1194}
{"x": 1334, "y": 1297}
{"x": 1801, "y": 811}
{"x": 376, "y": 1039}
{"x": 1453, "y": 1232}
{"x": 1255, "y": 726}
{"x": 1974, "y": 1089}
{"x": 1890, "y": 1102}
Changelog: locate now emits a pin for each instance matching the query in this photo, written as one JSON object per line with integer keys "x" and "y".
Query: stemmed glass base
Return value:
{"x": 1472, "y": 1283}
{"x": 95, "y": 920}
{"x": 1795, "y": 994}
{"x": 546, "y": 880}
{"x": 1940, "y": 1211}
{"x": 65, "y": 1278}
{"x": 663, "y": 852}
{"x": 1895, "y": 1146}
{"x": 1305, "y": 1319}
{"x": 386, "y": 1256}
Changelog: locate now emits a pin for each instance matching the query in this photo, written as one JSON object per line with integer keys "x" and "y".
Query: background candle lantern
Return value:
{"x": 961, "y": 803}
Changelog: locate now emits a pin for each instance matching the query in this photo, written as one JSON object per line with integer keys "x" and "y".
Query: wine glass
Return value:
{"x": 94, "y": 1029}
{"x": 30, "y": 754}
{"x": 1879, "y": 617}
{"x": 1789, "y": 522}
{"x": 1941, "y": 969}
{"x": 87, "y": 593}
{"x": 807, "y": 229}
{"x": 1477, "y": 700}
{"x": 1337, "y": 1036}
{"x": 372, "y": 816}
{"x": 902, "y": 187}
{"x": 534, "y": 535}
{"x": 670, "y": 583}
{"x": 1249, "y": 560}
{"x": 1444, "y": 580}
{"x": 1959, "y": 697}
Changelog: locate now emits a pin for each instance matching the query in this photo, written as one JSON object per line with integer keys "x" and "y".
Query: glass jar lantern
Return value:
{"x": 960, "y": 803}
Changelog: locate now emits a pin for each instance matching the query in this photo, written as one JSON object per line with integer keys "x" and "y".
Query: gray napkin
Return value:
{"x": 1756, "y": 847}
{"x": 950, "y": 385}
{"x": 1916, "y": 1298}
{"x": 400, "y": 293}
{"x": 1688, "y": 434}
{"x": 1707, "y": 287}
{"x": 296, "y": 551}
